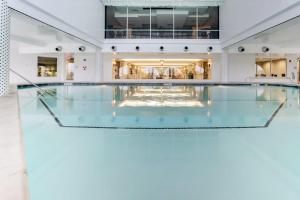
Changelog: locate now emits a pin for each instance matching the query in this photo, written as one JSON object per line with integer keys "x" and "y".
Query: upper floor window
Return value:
{"x": 162, "y": 22}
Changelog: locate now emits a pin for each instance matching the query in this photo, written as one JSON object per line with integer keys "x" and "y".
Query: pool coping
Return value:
{"x": 22, "y": 86}
{"x": 14, "y": 180}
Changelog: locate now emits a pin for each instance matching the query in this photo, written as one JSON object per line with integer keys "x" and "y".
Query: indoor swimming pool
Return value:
{"x": 178, "y": 142}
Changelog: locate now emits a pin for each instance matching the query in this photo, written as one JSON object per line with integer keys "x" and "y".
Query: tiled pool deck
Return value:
{"x": 13, "y": 184}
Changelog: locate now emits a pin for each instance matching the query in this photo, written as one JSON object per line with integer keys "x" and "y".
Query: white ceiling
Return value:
{"x": 162, "y": 3}
{"x": 33, "y": 36}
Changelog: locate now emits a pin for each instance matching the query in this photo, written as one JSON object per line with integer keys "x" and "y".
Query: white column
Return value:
{"x": 224, "y": 67}
{"x": 98, "y": 70}
{"x": 4, "y": 48}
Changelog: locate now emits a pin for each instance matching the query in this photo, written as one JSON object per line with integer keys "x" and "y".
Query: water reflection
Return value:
{"x": 133, "y": 106}
{"x": 160, "y": 96}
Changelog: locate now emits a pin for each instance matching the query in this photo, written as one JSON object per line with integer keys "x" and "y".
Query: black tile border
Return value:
{"x": 56, "y": 119}
{"x": 24, "y": 86}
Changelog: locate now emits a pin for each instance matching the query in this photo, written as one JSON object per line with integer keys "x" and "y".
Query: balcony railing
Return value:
{"x": 160, "y": 34}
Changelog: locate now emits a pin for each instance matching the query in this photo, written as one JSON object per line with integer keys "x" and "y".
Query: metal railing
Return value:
{"x": 40, "y": 90}
{"x": 160, "y": 34}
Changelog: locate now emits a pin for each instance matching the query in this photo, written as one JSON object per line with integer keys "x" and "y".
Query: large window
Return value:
{"x": 208, "y": 22}
{"x": 162, "y": 22}
{"x": 185, "y": 23}
{"x": 138, "y": 22}
{"x": 115, "y": 22}
{"x": 271, "y": 67}
{"x": 47, "y": 67}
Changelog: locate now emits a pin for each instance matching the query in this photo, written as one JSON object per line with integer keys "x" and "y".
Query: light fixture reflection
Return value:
{"x": 158, "y": 90}
{"x": 167, "y": 103}
{"x": 162, "y": 94}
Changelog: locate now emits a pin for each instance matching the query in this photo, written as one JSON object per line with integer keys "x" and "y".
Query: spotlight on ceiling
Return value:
{"x": 241, "y": 49}
{"x": 58, "y": 48}
{"x": 265, "y": 49}
{"x": 82, "y": 48}
{"x": 209, "y": 49}
{"x": 114, "y": 48}
{"x": 186, "y": 49}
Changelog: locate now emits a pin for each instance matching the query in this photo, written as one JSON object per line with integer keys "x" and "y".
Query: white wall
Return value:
{"x": 26, "y": 65}
{"x": 82, "y": 60}
{"x": 240, "y": 19}
{"x": 84, "y": 19}
{"x": 292, "y": 67}
{"x": 241, "y": 67}
{"x": 153, "y": 45}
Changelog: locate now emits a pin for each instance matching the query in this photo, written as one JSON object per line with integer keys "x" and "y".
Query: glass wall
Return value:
{"x": 162, "y": 69}
{"x": 115, "y": 22}
{"x": 271, "y": 67}
{"x": 185, "y": 20}
{"x": 208, "y": 23}
{"x": 138, "y": 22}
{"x": 162, "y": 22}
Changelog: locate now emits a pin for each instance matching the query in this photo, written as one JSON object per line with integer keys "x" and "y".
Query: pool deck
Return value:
{"x": 13, "y": 180}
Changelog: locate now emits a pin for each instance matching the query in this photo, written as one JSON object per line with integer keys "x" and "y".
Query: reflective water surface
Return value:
{"x": 164, "y": 106}
{"x": 132, "y": 164}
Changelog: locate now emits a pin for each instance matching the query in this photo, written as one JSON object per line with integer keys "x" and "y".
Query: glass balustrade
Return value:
{"x": 161, "y": 34}
{"x": 162, "y": 23}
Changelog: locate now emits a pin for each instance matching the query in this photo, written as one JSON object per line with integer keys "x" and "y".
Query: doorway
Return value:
{"x": 70, "y": 66}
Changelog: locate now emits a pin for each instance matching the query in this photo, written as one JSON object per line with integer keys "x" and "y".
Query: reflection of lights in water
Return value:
{"x": 199, "y": 89}
{"x": 136, "y": 103}
{"x": 209, "y": 102}
{"x": 123, "y": 87}
{"x": 114, "y": 114}
{"x": 260, "y": 91}
{"x": 113, "y": 102}
{"x": 161, "y": 94}
{"x": 158, "y": 90}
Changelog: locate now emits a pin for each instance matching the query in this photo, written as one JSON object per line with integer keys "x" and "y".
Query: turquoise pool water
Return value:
{"x": 208, "y": 142}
